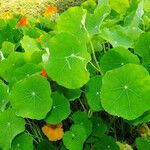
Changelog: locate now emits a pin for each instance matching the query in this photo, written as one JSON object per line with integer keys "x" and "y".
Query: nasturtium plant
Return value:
{"x": 4, "y": 96}
{"x": 22, "y": 141}
{"x": 75, "y": 76}
{"x": 92, "y": 94}
{"x": 60, "y": 109}
{"x": 70, "y": 68}
{"x": 117, "y": 57}
{"x": 75, "y": 137}
{"x": 31, "y": 97}
{"x": 123, "y": 93}
{"x": 10, "y": 126}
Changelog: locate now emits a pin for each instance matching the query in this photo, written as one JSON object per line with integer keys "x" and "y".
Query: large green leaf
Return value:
{"x": 117, "y": 57}
{"x": 74, "y": 139}
{"x": 4, "y": 97}
{"x": 92, "y": 94}
{"x": 22, "y": 142}
{"x": 142, "y": 48}
{"x": 82, "y": 119}
{"x": 60, "y": 109}
{"x": 67, "y": 61}
{"x": 30, "y": 98}
{"x": 10, "y": 126}
{"x": 124, "y": 93}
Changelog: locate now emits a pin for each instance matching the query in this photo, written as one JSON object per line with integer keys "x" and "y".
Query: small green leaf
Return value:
{"x": 70, "y": 94}
{"x": 22, "y": 142}
{"x": 124, "y": 93}
{"x": 60, "y": 109}
{"x": 46, "y": 145}
{"x": 75, "y": 138}
{"x": 10, "y": 126}
{"x": 92, "y": 94}
{"x": 82, "y": 119}
{"x": 143, "y": 143}
{"x": 99, "y": 127}
{"x": 30, "y": 98}
{"x": 117, "y": 57}
{"x": 67, "y": 61}
{"x": 105, "y": 143}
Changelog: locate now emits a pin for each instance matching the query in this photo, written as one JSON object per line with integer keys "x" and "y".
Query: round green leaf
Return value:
{"x": 143, "y": 143}
{"x": 117, "y": 57}
{"x": 106, "y": 143}
{"x": 123, "y": 92}
{"x": 31, "y": 97}
{"x": 116, "y": 37}
{"x": 142, "y": 48}
{"x": 26, "y": 71}
{"x": 67, "y": 61}
{"x": 74, "y": 139}
{"x": 22, "y": 142}
{"x": 92, "y": 94}
{"x": 99, "y": 127}
{"x": 10, "y": 126}
{"x": 4, "y": 97}
{"x": 81, "y": 118}
{"x": 29, "y": 44}
{"x": 60, "y": 109}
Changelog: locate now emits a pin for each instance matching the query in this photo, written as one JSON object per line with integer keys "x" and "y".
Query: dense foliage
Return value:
{"x": 78, "y": 79}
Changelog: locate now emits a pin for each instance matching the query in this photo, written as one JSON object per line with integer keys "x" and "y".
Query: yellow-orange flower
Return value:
{"x": 54, "y": 132}
{"x": 50, "y": 10}
{"x": 7, "y": 15}
{"x": 23, "y": 22}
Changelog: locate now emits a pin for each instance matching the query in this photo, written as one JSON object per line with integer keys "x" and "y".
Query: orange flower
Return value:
{"x": 40, "y": 38}
{"x": 53, "y": 132}
{"x": 50, "y": 10}
{"x": 23, "y": 22}
{"x": 43, "y": 73}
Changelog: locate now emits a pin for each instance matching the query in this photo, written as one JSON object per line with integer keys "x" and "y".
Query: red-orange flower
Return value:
{"x": 43, "y": 73}
{"x": 50, "y": 10}
{"x": 53, "y": 132}
{"x": 23, "y": 22}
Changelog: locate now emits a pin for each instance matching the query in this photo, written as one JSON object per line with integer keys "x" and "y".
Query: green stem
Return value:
{"x": 93, "y": 52}
{"x": 82, "y": 105}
